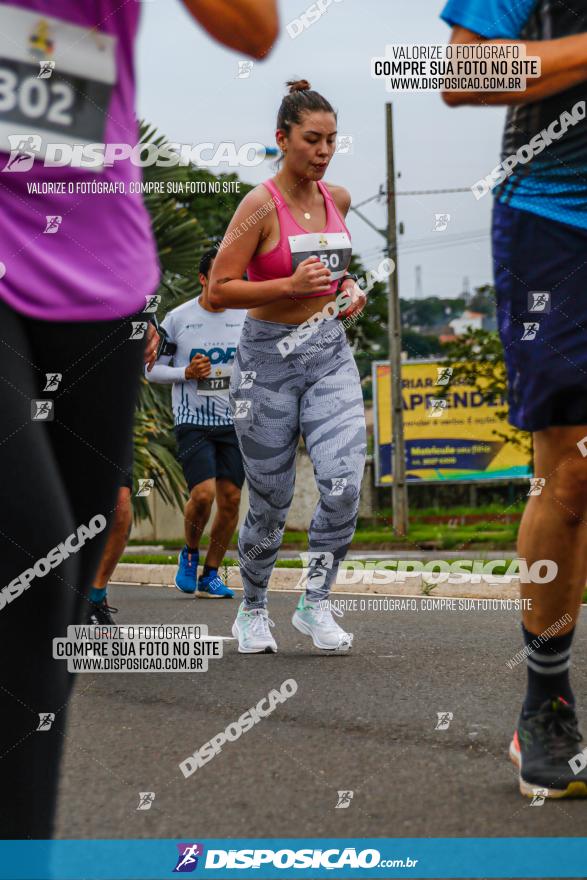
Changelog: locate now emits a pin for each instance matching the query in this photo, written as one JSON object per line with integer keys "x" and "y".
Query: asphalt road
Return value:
{"x": 363, "y": 722}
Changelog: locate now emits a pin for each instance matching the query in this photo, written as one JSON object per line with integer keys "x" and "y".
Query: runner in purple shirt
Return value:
{"x": 77, "y": 262}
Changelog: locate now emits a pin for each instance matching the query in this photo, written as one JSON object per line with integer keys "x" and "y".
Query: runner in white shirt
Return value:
{"x": 206, "y": 340}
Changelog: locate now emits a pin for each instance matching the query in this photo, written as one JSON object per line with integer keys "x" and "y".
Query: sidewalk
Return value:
{"x": 289, "y": 578}
{"x": 154, "y": 549}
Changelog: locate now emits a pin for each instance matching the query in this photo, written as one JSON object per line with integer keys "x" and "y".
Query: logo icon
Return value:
{"x": 139, "y": 328}
{"x": 46, "y": 68}
{"x": 46, "y": 719}
{"x": 444, "y": 375}
{"x": 444, "y": 719}
{"x": 145, "y": 487}
{"x": 24, "y": 149}
{"x": 536, "y": 485}
{"x": 441, "y": 222}
{"x": 316, "y": 565}
{"x": 53, "y": 380}
{"x": 187, "y": 860}
{"x": 338, "y": 485}
{"x": 53, "y": 223}
{"x": 146, "y": 799}
{"x": 539, "y": 301}
{"x": 151, "y": 302}
{"x": 344, "y": 144}
{"x": 344, "y": 800}
{"x": 530, "y": 330}
{"x": 538, "y": 797}
{"x": 437, "y": 407}
{"x": 242, "y": 409}
{"x": 247, "y": 379}
{"x": 323, "y": 241}
{"x": 42, "y": 411}
{"x": 245, "y": 68}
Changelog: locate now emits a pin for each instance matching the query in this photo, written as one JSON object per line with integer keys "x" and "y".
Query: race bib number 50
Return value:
{"x": 333, "y": 249}
{"x": 56, "y": 80}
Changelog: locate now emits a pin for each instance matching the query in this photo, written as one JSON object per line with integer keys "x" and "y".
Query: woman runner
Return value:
{"x": 293, "y": 378}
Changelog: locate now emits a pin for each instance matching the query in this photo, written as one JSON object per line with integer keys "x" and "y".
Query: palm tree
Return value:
{"x": 186, "y": 219}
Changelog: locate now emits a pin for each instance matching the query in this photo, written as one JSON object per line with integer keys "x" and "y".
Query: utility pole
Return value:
{"x": 418, "y": 294}
{"x": 399, "y": 485}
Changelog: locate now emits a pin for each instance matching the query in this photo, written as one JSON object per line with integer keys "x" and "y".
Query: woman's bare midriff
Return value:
{"x": 289, "y": 311}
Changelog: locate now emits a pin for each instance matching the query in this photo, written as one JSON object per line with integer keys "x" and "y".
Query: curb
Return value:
{"x": 500, "y": 587}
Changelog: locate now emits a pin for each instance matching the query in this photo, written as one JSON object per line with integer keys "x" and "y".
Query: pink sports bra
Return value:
{"x": 332, "y": 245}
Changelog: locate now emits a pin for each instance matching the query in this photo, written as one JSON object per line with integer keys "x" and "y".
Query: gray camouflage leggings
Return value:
{"x": 313, "y": 391}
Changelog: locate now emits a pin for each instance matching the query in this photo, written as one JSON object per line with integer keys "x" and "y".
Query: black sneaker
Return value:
{"x": 546, "y": 749}
{"x": 101, "y": 614}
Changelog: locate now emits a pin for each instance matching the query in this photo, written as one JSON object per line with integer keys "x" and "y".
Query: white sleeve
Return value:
{"x": 163, "y": 372}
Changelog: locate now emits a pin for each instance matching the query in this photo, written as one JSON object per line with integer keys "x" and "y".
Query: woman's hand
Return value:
{"x": 359, "y": 299}
{"x": 311, "y": 276}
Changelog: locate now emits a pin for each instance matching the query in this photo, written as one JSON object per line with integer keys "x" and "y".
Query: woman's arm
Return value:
{"x": 563, "y": 63}
{"x": 243, "y": 236}
{"x": 249, "y": 26}
{"x": 342, "y": 198}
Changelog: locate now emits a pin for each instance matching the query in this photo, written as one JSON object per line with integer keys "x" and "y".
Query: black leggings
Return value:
{"x": 56, "y": 475}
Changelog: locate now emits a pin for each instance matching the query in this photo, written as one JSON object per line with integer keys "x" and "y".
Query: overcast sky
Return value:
{"x": 188, "y": 87}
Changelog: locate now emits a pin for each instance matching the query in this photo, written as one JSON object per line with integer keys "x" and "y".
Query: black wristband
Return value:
{"x": 349, "y": 276}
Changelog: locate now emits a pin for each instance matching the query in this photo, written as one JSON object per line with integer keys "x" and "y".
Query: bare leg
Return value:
{"x": 554, "y": 526}
{"x": 197, "y": 511}
{"x": 117, "y": 538}
{"x": 228, "y": 498}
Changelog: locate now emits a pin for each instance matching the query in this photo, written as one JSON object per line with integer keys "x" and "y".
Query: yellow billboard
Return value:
{"x": 448, "y": 436}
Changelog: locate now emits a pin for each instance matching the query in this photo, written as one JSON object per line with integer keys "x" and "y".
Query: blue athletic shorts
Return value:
{"x": 544, "y": 337}
{"x": 206, "y": 453}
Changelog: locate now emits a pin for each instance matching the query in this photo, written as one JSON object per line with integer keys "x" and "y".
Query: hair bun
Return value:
{"x": 298, "y": 85}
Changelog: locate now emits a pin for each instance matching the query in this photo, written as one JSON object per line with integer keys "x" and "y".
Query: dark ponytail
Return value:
{"x": 301, "y": 99}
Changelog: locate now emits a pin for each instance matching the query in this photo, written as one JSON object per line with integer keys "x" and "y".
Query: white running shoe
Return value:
{"x": 251, "y": 628}
{"x": 315, "y": 619}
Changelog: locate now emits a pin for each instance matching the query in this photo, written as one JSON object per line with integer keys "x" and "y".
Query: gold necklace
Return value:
{"x": 307, "y": 215}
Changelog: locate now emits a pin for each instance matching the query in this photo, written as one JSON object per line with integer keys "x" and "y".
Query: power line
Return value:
{"x": 413, "y": 192}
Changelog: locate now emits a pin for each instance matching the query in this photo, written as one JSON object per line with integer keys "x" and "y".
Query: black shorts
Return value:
{"x": 545, "y": 352}
{"x": 126, "y": 475}
{"x": 208, "y": 453}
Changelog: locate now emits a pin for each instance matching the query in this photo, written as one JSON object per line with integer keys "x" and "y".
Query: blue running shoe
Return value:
{"x": 211, "y": 587}
{"x": 187, "y": 573}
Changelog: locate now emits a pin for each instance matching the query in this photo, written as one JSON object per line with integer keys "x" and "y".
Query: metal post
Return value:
{"x": 399, "y": 486}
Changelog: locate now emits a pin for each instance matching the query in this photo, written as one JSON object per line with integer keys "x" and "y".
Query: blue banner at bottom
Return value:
{"x": 274, "y": 859}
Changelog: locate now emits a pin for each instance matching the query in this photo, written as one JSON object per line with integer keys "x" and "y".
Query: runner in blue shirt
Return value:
{"x": 540, "y": 267}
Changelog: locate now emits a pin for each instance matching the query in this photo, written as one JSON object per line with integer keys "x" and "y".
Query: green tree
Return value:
{"x": 184, "y": 225}
{"x": 483, "y": 300}
{"x": 430, "y": 311}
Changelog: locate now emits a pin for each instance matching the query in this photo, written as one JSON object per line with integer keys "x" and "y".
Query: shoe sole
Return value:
{"x": 303, "y": 627}
{"x": 185, "y": 592}
{"x": 202, "y": 594}
{"x": 268, "y": 649}
{"x": 576, "y": 789}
